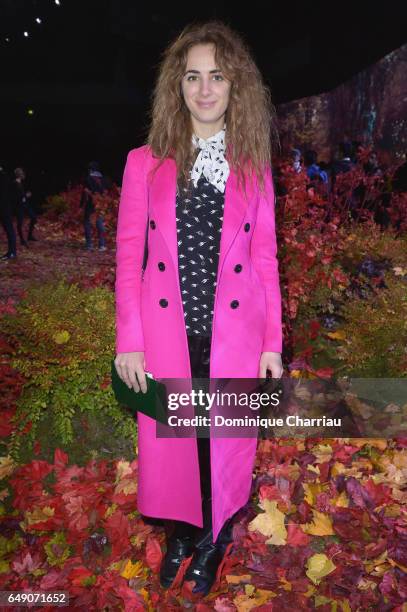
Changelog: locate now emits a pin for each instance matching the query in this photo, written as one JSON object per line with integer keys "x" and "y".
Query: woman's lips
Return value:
{"x": 205, "y": 104}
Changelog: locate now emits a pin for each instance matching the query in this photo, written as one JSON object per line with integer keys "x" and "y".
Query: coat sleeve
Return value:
{"x": 130, "y": 238}
{"x": 264, "y": 257}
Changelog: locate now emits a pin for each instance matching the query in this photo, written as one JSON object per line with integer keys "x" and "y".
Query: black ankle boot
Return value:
{"x": 180, "y": 546}
{"x": 207, "y": 558}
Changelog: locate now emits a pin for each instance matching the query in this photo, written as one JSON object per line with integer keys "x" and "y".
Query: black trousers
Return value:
{"x": 7, "y": 222}
{"x": 22, "y": 211}
{"x": 199, "y": 354}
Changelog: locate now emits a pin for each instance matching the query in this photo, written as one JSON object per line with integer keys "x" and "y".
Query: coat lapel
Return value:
{"x": 162, "y": 202}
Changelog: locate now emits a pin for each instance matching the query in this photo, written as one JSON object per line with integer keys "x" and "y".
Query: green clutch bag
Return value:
{"x": 153, "y": 403}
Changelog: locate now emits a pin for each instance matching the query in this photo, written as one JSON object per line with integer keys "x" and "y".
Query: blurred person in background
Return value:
{"x": 6, "y": 214}
{"x": 94, "y": 183}
{"x": 23, "y": 207}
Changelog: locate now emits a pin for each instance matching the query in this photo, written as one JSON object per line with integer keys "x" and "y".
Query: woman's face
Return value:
{"x": 206, "y": 91}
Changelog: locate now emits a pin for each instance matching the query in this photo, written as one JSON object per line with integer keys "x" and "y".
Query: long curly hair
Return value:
{"x": 251, "y": 124}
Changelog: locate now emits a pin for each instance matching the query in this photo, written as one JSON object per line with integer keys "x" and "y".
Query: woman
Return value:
{"x": 23, "y": 206}
{"x": 208, "y": 303}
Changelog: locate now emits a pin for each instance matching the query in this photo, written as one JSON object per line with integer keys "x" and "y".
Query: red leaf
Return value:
{"x": 296, "y": 536}
{"x": 60, "y": 459}
{"x": 154, "y": 554}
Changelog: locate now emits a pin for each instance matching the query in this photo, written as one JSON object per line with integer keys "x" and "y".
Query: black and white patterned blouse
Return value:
{"x": 199, "y": 226}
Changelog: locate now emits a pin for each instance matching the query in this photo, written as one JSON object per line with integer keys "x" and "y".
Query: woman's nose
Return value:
{"x": 205, "y": 86}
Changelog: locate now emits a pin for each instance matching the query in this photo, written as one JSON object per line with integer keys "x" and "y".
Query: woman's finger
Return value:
{"x": 131, "y": 374}
{"x": 124, "y": 373}
{"x": 141, "y": 375}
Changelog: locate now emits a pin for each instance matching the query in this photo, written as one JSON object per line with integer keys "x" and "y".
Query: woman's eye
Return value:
{"x": 215, "y": 76}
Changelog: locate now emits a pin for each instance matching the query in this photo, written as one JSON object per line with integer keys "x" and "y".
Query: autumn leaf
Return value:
{"x": 231, "y": 579}
{"x": 7, "y": 466}
{"x": 248, "y": 600}
{"x": 61, "y": 337}
{"x": 28, "y": 565}
{"x": 322, "y": 452}
{"x": 154, "y": 554}
{"x": 311, "y": 490}
{"x": 270, "y": 523}
{"x": 336, "y": 335}
{"x": 131, "y": 569}
{"x": 318, "y": 566}
{"x": 296, "y": 536}
{"x": 123, "y": 469}
{"x": 321, "y": 525}
{"x": 127, "y": 486}
{"x": 340, "y": 501}
{"x": 38, "y": 515}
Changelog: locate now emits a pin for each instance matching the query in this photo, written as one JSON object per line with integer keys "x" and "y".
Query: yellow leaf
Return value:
{"x": 319, "y": 566}
{"x": 110, "y": 510}
{"x": 245, "y": 602}
{"x": 39, "y": 514}
{"x": 378, "y": 566}
{"x": 231, "y": 579}
{"x": 321, "y": 525}
{"x": 123, "y": 469}
{"x": 323, "y": 453}
{"x": 127, "y": 486}
{"x": 314, "y": 468}
{"x": 270, "y": 523}
{"x": 265, "y": 595}
{"x": 321, "y": 600}
{"x": 61, "y": 337}
{"x": 311, "y": 490}
{"x": 249, "y": 589}
{"x": 131, "y": 569}
{"x": 337, "y": 468}
{"x": 337, "y": 335}
{"x": 365, "y": 584}
{"x": 341, "y": 500}
{"x": 7, "y": 466}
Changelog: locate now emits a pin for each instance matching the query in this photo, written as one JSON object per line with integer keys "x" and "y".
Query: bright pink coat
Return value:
{"x": 169, "y": 483}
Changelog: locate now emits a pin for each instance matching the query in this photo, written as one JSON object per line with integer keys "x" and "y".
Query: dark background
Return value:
{"x": 88, "y": 70}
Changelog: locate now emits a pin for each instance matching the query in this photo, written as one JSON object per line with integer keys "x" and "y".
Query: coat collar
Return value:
{"x": 162, "y": 207}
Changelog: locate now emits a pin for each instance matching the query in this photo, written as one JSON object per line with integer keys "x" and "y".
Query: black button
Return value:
{"x": 161, "y": 265}
{"x": 238, "y": 267}
{"x": 247, "y": 227}
{"x": 163, "y": 303}
{"x": 234, "y": 304}
{"x": 152, "y": 224}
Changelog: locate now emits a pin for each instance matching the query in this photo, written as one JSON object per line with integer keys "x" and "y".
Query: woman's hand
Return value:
{"x": 271, "y": 361}
{"x": 130, "y": 368}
